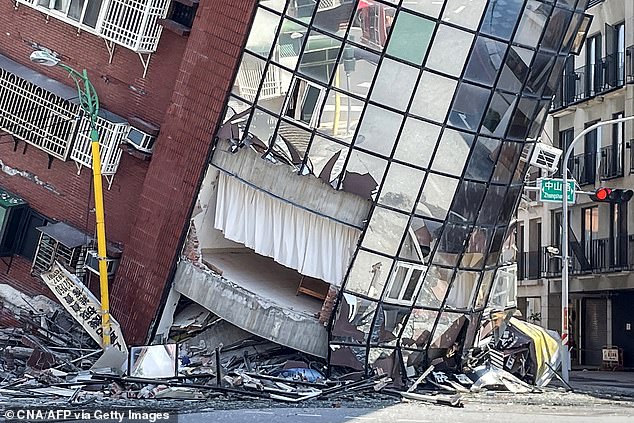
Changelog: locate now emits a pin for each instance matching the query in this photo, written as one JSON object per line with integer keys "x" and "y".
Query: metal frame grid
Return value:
{"x": 499, "y": 192}
{"x": 111, "y": 135}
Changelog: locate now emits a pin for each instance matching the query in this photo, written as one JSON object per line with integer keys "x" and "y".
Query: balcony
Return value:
{"x": 584, "y": 168}
{"x": 611, "y": 162}
{"x": 603, "y": 255}
{"x": 529, "y": 265}
{"x": 589, "y": 81}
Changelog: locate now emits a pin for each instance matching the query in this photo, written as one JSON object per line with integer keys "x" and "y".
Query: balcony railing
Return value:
{"x": 594, "y": 3}
{"x": 611, "y": 165}
{"x": 591, "y": 80}
{"x": 529, "y": 265}
{"x": 584, "y": 168}
{"x": 601, "y": 256}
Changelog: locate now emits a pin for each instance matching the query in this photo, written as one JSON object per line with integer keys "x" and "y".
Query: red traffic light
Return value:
{"x": 602, "y": 193}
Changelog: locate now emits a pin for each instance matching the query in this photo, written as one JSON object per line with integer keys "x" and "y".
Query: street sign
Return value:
{"x": 551, "y": 190}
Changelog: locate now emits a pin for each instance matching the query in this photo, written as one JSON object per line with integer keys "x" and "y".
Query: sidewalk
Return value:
{"x": 603, "y": 383}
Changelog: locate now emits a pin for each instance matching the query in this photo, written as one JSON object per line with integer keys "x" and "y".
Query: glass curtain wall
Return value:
{"x": 425, "y": 108}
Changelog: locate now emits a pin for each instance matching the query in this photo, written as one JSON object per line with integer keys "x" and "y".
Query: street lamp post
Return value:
{"x": 564, "y": 247}
{"x": 89, "y": 103}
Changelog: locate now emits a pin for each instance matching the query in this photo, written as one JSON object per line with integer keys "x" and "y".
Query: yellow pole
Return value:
{"x": 335, "y": 121}
{"x": 101, "y": 237}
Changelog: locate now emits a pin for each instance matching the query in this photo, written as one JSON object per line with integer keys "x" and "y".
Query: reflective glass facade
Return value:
{"x": 426, "y": 108}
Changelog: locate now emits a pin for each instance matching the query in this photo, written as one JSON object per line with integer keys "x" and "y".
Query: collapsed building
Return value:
{"x": 359, "y": 199}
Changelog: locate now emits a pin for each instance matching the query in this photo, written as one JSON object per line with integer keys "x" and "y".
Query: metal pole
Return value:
{"x": 564, "y": 247}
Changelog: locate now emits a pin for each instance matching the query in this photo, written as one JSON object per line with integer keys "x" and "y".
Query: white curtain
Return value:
{"x": 313, "y": 245}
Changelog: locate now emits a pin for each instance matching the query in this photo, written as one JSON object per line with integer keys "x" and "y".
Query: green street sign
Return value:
{"x": 551, "y": 190}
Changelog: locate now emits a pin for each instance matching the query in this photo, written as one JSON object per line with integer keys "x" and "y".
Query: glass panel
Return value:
{"x": 504, "y": 288}
{"x": 401, "y": 187}
{"x": 431, "y": 8}
{"x": 421, "y": 238}
{"x": 515, "y": 69}
{"x": 483, "y": 159}
{"x": 372, "y": 23}
{"x": 410, "y": 38}
{"x": 509, "y": 203}
{"x": 522, "y": 165}
{"x": 300, "y": 8}
{"x": 362, "y": 163}
{"x": 448, "y": 328}
{"x": 509, "y": 155}
{"x": 249, "y": 77}
{"x": 277, "y": 5}
{"x": 464, "y": 13}
{"x": 92, "y": 13}
{"x": 262, "y": 126}
{"x": 485, "y": 287}
{"x": 486, "y": 59}
{"x": 449, "y": 50}
{"x": 293, "y": 141}
{"x": 498, "y": 117}
{"x": 319, "y": 57}
{"x": 467, "y": 110}
{"x": 394, "y": 84}
{"x": 464, "y": 289}
{"x": 354, "y": 319}
{"x": 559, "y": 22}
{"x": 477, "y": 248}
{"x": 323, "y": 151}
{"x": 74, "y": 9}
{"x": 274, "y": 88}
{"x": 389, "y": 324}
{"x": 368, "y": 274}
{"x": 436, "y": 197}
{"x": 491, "y": 205}
{"x": 571, "y": 31}
{"x": 496, "y": 246}
{"x": 418, "y": 329}
{"x": 263, "y": 32}
{"x": 289, "y": 43}
{"x": 452, "y": 244}
{"x": 467, "y": 204}
{"x": 378, "y": 131}
{"x": 357, "y": 68}
{"x": 540, "y": 117}
{"x": 340, "y": 116}
{"x": 386, "y": 360}
{"x": 385, "y": 231}
{"x": 434, "y": 288}
{"x": 501, "y": 17}
{"x": 452, "y": 152}
{"x": 234, "y": 120}
{"x": 522, "y": 119}
{"x": 540, "y": 70}
{"x": 433, "y": 96}
{"x": 331, "y": 18}
{"x": 350, "y": 357}
{"x": 417, "y": 142}
{"x": 532, "y": 23}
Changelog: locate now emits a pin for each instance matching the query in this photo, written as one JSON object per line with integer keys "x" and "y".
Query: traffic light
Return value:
{"x": 609, "y": 195}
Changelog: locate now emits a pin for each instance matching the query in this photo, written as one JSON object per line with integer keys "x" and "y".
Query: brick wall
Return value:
{"x": 172, "y": 180}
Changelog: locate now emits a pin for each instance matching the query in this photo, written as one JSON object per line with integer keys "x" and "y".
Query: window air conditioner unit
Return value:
{"x": 92, "y": 263}
{"x": 142, "y": 135}
{"x": 545, "y": 157}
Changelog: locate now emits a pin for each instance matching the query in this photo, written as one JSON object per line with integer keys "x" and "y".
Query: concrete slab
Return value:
{"x": 264, "y": 277}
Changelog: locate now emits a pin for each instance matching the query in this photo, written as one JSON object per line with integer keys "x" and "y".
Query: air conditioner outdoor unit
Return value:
{"x": 140, "y": 140}
{"x": 545, "y": 157}
{"x": 92, "y": 263}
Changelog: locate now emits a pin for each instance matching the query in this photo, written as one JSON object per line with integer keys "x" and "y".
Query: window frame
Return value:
{"x": 316, "y": 110}
{"x": 410, "y": 268}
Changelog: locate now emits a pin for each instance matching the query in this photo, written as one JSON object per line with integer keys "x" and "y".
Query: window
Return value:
{"x": 593, "y": 65}
{"x": 304, "y": 101}
{"x": 183, "y": 14}
{"x": 12, "y": 210}
{"x": 403, "y": 285}
{"x": 83, "y": 11}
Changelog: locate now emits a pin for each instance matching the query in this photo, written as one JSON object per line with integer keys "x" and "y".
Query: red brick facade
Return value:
{"x": 148, "y": 206}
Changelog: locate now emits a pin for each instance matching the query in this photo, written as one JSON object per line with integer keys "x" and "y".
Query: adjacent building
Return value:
{"x": 596, "y": 86}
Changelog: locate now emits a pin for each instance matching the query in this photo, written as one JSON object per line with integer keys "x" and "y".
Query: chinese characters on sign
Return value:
{"x": 551, "y": 190}
{"x": 82, "y": 305}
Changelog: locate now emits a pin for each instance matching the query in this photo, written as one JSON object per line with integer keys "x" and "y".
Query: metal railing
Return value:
{"x": 599, "y": 256}
{"x": 529, "y": 265}
{"x": 591, "y": 80}
{"x": 611, "y": 161}
{"x": 594, "y": 3}
{"x": 584, "y": 168}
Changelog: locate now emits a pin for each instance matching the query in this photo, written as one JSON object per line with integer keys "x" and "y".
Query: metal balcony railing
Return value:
{"x": 584, "y": 168}
{"x": 529, "y": 265}
{"x": 591, "y": 80}
{"x": 611, "y": 161}
{"x": 594, "y": 3}
{"x": 600, "y": 256}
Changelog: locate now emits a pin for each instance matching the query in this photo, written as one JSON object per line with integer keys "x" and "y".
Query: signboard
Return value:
{"x": 551, "y": 190}
{"x": 611, "y": 354}
{"x": 82, "y": 305}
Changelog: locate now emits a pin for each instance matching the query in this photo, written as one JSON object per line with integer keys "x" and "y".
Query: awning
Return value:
{"x": 65, "y": 234}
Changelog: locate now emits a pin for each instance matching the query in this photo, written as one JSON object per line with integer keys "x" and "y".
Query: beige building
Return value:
{"x": 597, "y": 86}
